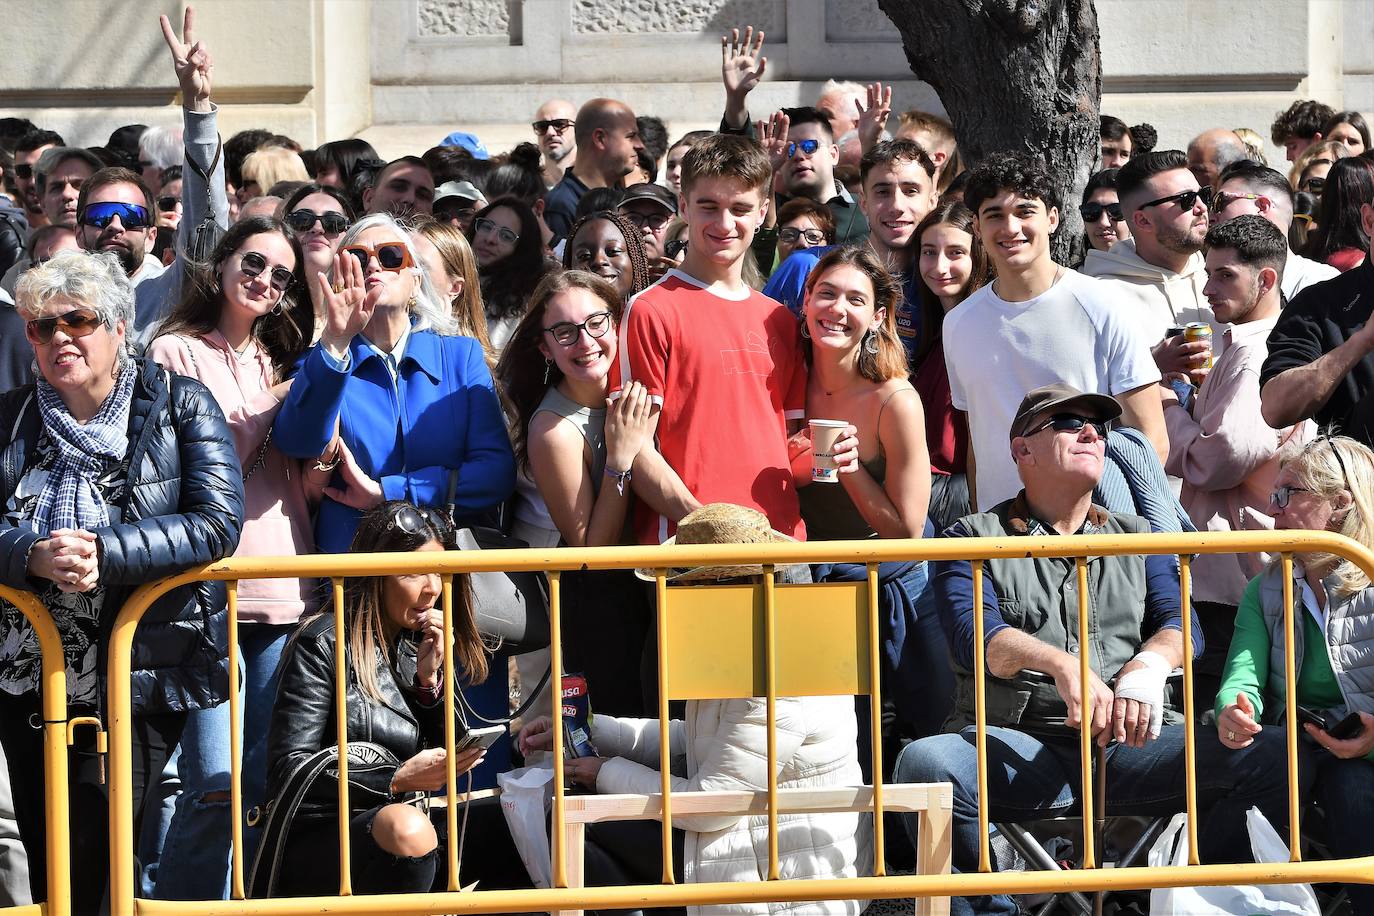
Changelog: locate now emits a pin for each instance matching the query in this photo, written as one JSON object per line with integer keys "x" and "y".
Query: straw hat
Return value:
{"x": 720, "y": 523}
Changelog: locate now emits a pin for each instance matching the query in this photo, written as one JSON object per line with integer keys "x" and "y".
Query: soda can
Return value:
{"x": 1200, "y": 330}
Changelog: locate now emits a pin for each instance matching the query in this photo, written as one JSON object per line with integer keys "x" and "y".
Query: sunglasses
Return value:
{"x": 808, "y": 147}
{"x": 1092, "y": 212}
{"x": 655, "y": 221}
{"x": 414, "y": 520}
{"x": 1314, "y": 185}
{"x": 253, "y": 264}
{"x": 304, "y": 220}
{"x": 791, "y": 235}
{"x": 76, "y": 323}
{"x": 454, "y": 208}
{"x": 1070, "y": 423}
{"x": 131, "y": 216}
{"x": 675, "y": 248}
{"x": 502, "y": 233}
{"x": 1184, "y": 199}
{"x": 24, "y": 171}
{"x": 567, "y": 333}
{"x": 167, "y": 204}
{"x": 1223, "y": 199}
{"x": 558, "y": 124}
{"x": 392, "y": 256}
{"x": 1281, "y": 495}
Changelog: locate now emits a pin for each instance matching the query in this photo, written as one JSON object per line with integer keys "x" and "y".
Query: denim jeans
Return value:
{"x": 195, "y": 851}
{"x": 1035, "y": 778}
{"x": 1345, "y": 791}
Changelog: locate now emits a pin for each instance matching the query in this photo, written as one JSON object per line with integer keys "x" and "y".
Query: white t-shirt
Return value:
{"x": 997, "y": 351}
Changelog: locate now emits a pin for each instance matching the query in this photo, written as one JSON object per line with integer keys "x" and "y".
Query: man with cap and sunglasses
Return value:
{"x": 651, "y": 207}
{"x": 1034, "y": 710}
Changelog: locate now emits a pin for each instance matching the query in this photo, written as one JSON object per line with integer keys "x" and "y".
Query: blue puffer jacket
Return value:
{"x": 184, "y": 508}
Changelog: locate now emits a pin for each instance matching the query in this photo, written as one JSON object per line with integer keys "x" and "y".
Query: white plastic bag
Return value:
{"x": 526, "y": 795}
{"x": 1285, "y": 899}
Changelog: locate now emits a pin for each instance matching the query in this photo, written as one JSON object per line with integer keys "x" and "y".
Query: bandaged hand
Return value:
{"x": 1138, "y": 711}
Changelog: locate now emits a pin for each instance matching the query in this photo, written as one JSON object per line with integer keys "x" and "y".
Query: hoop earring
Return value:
{"x": 804, "y": 332}
{"x": 548, "y": 367}
{"x": 870, "y": 342}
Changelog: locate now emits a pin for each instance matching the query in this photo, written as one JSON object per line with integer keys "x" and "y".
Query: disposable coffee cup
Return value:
{"x": 824, "y": 434}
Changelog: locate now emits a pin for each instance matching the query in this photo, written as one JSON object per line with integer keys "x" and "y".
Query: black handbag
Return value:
{"x": 512, "y": 607}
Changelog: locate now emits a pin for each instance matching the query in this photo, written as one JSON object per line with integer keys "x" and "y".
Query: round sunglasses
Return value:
{"x": 253, "y": 264}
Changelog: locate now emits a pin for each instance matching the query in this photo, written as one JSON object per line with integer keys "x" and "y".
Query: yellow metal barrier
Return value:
{"x": 775, "y": 682}
{"x": 54, "y": 691}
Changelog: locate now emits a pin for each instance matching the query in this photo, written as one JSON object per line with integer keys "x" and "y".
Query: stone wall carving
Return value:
{"x": 464, "y": 18}
{"x": 858, "y": 20}
{"x": 621, "y": 17}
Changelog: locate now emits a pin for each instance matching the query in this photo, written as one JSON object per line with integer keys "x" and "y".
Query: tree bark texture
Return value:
{"x": 1014, "y": 76}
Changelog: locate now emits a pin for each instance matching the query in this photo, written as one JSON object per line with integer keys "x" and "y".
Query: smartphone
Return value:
{"x": 1347, "y": 728}
{"x": 1311, "y": 717}
{"x": 479, "y": 737}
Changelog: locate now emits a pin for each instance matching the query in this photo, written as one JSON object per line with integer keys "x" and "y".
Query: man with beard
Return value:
{"x": 27, "y": 152}
{"x": 1158, "y": 273}
{"x": 553, "y": 129}
{"x": 58, "y": 178}
{"x": 608, "y": 148}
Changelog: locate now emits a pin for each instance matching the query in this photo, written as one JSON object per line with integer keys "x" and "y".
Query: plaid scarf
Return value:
{"x": 70, "y": 498}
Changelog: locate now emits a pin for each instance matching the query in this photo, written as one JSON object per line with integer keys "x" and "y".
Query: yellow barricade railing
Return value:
{"x": 55, "y": 741}
{"x": 769, "y": 671}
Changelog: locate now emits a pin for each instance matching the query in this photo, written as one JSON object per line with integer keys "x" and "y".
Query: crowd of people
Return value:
{"x": 240, "y": 347}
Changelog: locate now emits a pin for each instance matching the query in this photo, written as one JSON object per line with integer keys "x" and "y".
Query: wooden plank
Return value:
{"x": 591, "y": 809}
{"x": 934, "y": 845}
{"x": 574, "y": 845}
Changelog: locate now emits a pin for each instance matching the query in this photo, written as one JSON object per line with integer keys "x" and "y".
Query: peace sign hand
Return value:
{"x": 346, "y": 305}
{"x": 873, "y": 117}
{"x": 192, "y": 62}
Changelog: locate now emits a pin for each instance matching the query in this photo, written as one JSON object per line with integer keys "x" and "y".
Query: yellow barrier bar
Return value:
{"x": 1291, "y": 705}
{"x": 665, "y": 773}
{"x": 120, "y": 716}
{"x": 875, "y": 722}
{"x": 235, "y": 745}
{"x": 559, "y": 853}
{"x": 770, "y": 674}
{"x": 1185, "y": 594}
{"x": 450, "y": 724}
{"x": 54, "y": 703}
{"x": 612, "y": 898}
{"x": 341, "y": 735}
{"x": 980, "y": 711}
{"x": 1085, "y": 732}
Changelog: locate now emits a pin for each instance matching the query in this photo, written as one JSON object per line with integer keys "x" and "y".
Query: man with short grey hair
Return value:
{"x": 1211, "y": 152}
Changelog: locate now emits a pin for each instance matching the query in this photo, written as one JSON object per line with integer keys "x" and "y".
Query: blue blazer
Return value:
{"x": 441, "y": 415}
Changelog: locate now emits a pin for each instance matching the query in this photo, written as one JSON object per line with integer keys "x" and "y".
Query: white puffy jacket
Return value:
{"x": 722, "y": 746}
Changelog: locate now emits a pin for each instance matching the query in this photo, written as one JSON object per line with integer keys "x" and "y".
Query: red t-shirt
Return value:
{"x": 946, "y": 428}
{"x": 729, "y": 375}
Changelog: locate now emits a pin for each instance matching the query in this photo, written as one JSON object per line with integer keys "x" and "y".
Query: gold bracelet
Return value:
{"x": 322, "y": 466}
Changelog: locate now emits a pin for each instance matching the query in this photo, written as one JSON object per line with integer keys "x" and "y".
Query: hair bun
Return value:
{"x": 526, "y": 155}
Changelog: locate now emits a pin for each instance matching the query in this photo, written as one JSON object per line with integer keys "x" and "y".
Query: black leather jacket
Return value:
{"x": 184, "y": 508}
{"x": 303, "y": 718}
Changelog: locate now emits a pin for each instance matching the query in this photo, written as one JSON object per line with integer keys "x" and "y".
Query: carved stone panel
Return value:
{"x": 858, "y": 20}
{"x": 464, "y": 18}
{"x": 621, "y": 17}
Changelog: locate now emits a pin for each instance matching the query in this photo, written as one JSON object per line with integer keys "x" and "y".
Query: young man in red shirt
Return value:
{"x": 722, "y": 361}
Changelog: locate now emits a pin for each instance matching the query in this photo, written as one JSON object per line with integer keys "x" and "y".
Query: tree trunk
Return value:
{"x": 1016, "y": 76}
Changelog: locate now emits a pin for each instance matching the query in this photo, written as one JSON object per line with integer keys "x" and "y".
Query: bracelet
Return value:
{"x": 621, "y": 478}
{"x": 332, "y": 464}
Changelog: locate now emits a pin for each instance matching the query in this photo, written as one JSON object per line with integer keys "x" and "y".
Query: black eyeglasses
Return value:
{"x": 656, "y": 220}
{"x": 808, "y": 147}
{"x": 1070, "y": 423}
{"x": 167, "y": 204}
{"x": 1282, "y": 495}
{"x": 791, "y": 236}
{"x": 675, "y": 248}
{"x": 1184, "y": 199}
{"x": 488, "y": 225}
{"x": 558, "y": 124}
{"x": 100, "y": 215}
{"x": 24, "y": 171}
{"x": 567, "y": 333}
{"x": 1314, "y": 185}
{"x": 304, "y": 220}
{"x": 1092, "y": 212}
{"x": 253, "y": 264}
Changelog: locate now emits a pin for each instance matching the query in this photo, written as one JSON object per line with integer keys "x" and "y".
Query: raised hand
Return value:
{"x": 741, "y": 66}
{"x": 873, "y": 116}
{"x": 772, "y": 136}
{"x": 346, "y": 305}
{"x": 192, "y": 61}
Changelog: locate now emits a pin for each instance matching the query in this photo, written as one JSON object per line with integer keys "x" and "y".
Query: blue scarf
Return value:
{"x": 70, "y": 498}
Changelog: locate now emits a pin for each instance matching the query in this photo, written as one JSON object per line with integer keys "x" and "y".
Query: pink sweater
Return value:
{"x": 277, "y": 517}
{"x": 1228, "y": 458}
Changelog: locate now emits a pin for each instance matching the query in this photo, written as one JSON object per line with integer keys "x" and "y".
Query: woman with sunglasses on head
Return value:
{"x": 1328, "y": 486}
{"x": 394, "y": 646}
{"x": 114, "y": 472}
{"x": 951, "y": 265}
{"x": 859, "y": 376}
{"x": 511, "y": 260}
{"x": 1339, "y": 237}
{"x": 575, "y": 448}
{"x": 318, "y": 215}
{"x": 244, "y": 323}
{"x": 1103, "y": 221}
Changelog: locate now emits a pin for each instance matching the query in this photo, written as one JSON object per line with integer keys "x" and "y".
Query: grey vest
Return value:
{"x": 1349, "y": 643}
{"x": 1040, "y": 598}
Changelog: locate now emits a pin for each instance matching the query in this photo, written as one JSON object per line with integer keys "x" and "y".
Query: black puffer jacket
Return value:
{"x": 14, "y": 230}
{"x": 303, "y": 719}
{"x": 183, "y": 507}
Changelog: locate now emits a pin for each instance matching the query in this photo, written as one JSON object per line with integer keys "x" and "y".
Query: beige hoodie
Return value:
{"x": 1156, "y": 297}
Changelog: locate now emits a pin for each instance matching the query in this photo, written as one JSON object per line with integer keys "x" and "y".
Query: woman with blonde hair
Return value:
{"x": 1328, "y": 486}
{"x": 448, "y": 257}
